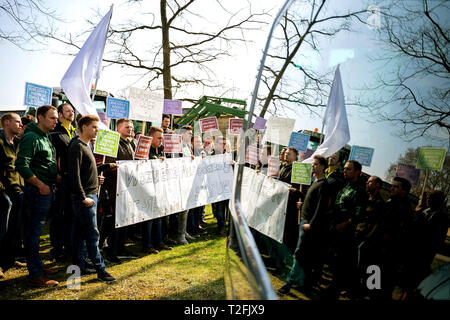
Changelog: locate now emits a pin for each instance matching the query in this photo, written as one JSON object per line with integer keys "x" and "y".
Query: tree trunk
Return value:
{"x": 167, "y": 76}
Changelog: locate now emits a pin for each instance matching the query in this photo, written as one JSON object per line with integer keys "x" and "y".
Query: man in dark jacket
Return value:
{"x": 349, "y": 209}
{"x": 431, "y": 226}
{"x": 11, "y": 185}
{"x": 290, "y": 235}
{"x": 311, "y": 244}
{"x": 397, "y": 232}
{"x": 152, "y": 229}
{"x": 83, "y": 177}
{"x": 36, "y": 163}
{"x": 61, "y": 214}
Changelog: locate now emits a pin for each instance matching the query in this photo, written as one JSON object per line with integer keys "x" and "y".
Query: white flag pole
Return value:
{"x": 104, "y": 44}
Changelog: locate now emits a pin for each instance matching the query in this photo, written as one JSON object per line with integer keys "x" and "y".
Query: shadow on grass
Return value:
{"x": 207, "y": 291}
{"x": 17, "y": 287}
{"x": 188, "y": 250}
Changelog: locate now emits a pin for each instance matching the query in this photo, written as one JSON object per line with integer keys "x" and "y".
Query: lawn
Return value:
{"x": 192, "y": 272}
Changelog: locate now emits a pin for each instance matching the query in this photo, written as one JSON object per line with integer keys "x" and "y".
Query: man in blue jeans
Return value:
{"x": 36, "y": 163}
{"x": 83, "y": 177}
{"x": 11, "y": 191}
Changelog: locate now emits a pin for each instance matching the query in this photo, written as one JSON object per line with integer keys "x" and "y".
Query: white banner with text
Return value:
{"x": 149, "y": 189}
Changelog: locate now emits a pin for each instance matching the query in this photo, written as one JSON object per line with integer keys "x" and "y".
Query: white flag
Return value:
{"x": 86, "y": 67}
{"x": 337, "y": 132}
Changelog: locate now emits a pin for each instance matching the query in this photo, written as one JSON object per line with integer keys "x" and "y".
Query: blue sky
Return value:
{"x": 349, "y": 49}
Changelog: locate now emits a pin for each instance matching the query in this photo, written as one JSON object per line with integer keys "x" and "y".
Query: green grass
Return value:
{"x": 191, "y": 272}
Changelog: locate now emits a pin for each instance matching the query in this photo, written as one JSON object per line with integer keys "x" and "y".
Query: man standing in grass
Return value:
{"x": 36, "y": 163}
{"x": 311, "y": 245}
{"x": 11, "y": 185}
{"x": 83, "y": 179}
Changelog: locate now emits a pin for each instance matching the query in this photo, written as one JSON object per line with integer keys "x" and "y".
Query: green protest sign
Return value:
{"x": 107, "y": 143}
{"x": 301, "y": 173}
{"x": 431, "y": 158}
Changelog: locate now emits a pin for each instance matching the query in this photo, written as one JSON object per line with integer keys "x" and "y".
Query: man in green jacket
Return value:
{"x": 36, "y": 163}
{"x": 11, "y": 184}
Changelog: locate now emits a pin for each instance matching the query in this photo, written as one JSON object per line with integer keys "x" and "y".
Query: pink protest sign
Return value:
{"x": 408, "y": 172}
{"x": 143, "y": 147}
{"x": 235, "y": 125}
{"x": 208, "y": 124}
{"x": 252, "y": 155}
{"x": 173, "y": 107}
{"x": 273, "y": 169}
{"x": 260, "y": 123}
{"x": 305, "y": 155}
{"x": 172, "y": 143}
{"x": 104, "y": 119}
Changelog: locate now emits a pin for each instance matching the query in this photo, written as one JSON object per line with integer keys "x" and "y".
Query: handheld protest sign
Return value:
{"x": 37, "y": 95}
{"x": 301, "y": 173}
{"x": 117, "y": 108}
{"x": 431, "y": 158}
{"x": 362, "y": 154}
{"x": 273, "y": 169}
{"x": 172, "y": 107}
{"x": 145, "y": 105}
{"x": 208, "y": 124}
{"x": 143, "y": 147}
{"x": 260, "y": 124}
{"x": 235, "y": 126}
{"x": 409, "y": 172}
{"x": 173, "y": 143}
{"x": 107, "y": 143}
{"x": 278, "y": 130}
{"x": 299, "y": 141}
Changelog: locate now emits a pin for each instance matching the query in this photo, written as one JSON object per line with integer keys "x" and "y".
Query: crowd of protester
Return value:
{"x": 342, "y": 221}
{"x": 49, "y": 171}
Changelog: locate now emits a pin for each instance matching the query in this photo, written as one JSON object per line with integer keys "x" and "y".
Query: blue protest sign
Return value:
{"x": 117, "y": 108}
{"x": 362, "y": 154}
{"x": 299, "y": 141}
{"x": 37, "y": 96}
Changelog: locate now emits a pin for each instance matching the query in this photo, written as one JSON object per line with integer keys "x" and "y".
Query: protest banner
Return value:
{"x": 208, "y": 124}
{"x": 252, "y": 155}
{"x": 362, "y": 154}
{"x": 37, "y": 95}
{"x": 278, "y": 130}
{"x": 149, "y": 189}
{"x": 431, "y": 158}
{"x": 260, "y": 124}
{"x": 273, "y": 169}
{"x": 173, "y": 143}
{"x": 409, "y": 172}
{"x": 299, "y": 141}
{"x": 235, "y": 125}
{"x": 107, "y": 143}
{"x": 301, "y": 173}
{"x": 145, "y": 105}
{"x": 173, "y": 107}
{"x": 117, "y": 108}
{"x": 143, "y": 147}
{"x": 265, "y": 203}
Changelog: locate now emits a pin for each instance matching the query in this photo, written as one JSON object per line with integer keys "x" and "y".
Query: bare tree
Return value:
{"x": 415, "y": 77}
{"x": 23, "y": 20}
{"x": 439, "y": 180}
{"x": 188, "y": 44}
{"x": 301, "y": 31}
